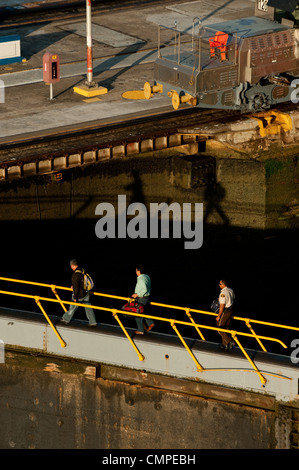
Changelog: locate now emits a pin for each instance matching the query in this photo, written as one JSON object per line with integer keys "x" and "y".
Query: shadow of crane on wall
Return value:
{"x": 214, "y": 195}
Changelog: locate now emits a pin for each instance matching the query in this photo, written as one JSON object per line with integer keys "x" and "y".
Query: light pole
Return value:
{"x": 89, "y": 43}
{"x": 90, "y": 88}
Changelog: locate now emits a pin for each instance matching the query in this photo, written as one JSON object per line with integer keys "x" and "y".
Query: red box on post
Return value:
{"x": 51, "y": 68}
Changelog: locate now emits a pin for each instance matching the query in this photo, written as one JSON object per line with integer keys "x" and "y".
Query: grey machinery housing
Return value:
{"x": 247, "y": 64}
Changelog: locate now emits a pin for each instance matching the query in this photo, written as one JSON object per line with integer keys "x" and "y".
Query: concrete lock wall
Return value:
{"x": 80, "y": 189}
{"x": 50, "y": 403}
{"x": 239, "y": 192}
{"x": 70, "y": 405}
{"x": 260, "y": 194}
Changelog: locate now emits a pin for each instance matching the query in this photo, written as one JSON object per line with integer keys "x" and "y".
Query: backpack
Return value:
{"x": 88, "y": 283}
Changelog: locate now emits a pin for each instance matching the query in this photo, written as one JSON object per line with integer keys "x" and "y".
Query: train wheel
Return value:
{"x": 259, "y": 102}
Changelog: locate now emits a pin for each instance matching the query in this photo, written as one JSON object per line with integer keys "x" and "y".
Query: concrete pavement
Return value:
{"x": 124, "y": 51}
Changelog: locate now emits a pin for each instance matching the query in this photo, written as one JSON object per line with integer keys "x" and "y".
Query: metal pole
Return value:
{"x": 90, "y": 88}
{"x": 51, "y": 91}
{"x": 89, "y": 43}
{"x": 62, "y": 342}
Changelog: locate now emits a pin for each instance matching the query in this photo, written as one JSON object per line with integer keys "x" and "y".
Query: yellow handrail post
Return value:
{"x": 199, "y": 367}
{"x": 140, "y": 356}
{"x": 262, "y": 378}
{"x": 187, "y": 310}
{"x": 62, "y": 342}
{"x": 53, "y": 289}
{"x": 247, "y": 321}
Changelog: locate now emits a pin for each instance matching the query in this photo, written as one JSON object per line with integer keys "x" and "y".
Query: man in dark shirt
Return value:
{"x": 80, "y": 295}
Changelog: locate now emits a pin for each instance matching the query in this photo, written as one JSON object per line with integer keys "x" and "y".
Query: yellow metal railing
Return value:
{"x": 174, "y": 323}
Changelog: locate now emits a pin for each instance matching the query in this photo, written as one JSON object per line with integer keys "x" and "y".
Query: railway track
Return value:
{"x": 103, "y": 133}
{"x": 128, "y": 128}
{"x": 57, "y": 149}
{"x": 97, "y": 134}
{"x": 68, "y": 9}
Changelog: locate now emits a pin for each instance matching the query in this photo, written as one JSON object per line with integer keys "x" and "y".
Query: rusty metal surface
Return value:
{"x": 270, "y": 54}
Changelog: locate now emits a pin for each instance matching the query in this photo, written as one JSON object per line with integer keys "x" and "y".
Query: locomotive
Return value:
{"x": 247, "y": 64}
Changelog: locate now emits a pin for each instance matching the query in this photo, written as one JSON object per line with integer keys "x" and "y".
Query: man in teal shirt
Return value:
{"x": 142, "y": 295}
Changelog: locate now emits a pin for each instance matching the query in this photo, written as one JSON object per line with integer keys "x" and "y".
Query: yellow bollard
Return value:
{"x": 149, "y": 90}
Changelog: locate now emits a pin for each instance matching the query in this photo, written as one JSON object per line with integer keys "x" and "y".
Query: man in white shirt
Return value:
{"x": 226, "y": 301}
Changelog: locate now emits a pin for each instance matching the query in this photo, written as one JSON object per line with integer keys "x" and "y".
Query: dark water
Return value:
{"x": 260, "y": 268}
